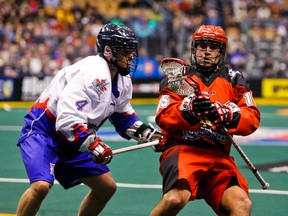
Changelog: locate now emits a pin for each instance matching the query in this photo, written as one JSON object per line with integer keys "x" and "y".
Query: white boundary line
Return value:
{"x": 148, "y": 186}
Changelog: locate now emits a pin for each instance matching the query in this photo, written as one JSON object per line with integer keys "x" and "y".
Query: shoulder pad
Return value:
{"x": 237, "y": 78}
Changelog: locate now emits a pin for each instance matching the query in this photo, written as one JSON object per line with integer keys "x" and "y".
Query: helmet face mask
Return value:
{"x": 118, "y": 45}
{"x": 208, "y": 48}
{"x": 215, "y": 46}
{"x": 126, "y": 60}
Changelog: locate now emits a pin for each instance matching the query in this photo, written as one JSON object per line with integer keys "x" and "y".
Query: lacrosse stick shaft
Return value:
{"x": 135, "y": 147}
{"x": 251, "y": 166}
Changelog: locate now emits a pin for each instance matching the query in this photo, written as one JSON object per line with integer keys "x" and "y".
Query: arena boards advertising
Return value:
{"x": 275, "y": 88}
{"x": 145, "y": 85}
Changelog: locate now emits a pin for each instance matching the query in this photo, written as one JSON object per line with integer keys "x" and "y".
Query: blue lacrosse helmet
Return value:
{"x": 118, "y": 38}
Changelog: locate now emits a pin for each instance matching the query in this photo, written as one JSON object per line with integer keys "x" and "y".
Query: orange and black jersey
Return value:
{"x": 223, "y": 86}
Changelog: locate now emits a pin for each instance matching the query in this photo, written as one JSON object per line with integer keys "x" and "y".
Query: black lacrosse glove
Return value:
{"x": 201, "y": 105}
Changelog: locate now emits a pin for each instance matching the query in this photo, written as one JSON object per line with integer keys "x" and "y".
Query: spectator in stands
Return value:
{"x": 33, "y": 25}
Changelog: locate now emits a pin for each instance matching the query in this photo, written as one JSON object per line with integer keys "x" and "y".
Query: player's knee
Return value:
{"x": 111, "y": 189}
{"x": 240, "y": 206}
{"x": 40, "y": 189}
{"x": 174, "y": 201}
{"x": 106, "y": 192}
{"x": 245, "y": 203}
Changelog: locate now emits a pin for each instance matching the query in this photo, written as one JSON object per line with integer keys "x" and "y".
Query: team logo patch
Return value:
{"x": 100, "y": 85}
{"x": 52, "y": 168}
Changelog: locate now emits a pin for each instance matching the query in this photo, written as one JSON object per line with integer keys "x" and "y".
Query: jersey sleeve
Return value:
{"x": 250, "y": 115}
{"x": 122, "y": 121}
{"x": 168, "y": 114}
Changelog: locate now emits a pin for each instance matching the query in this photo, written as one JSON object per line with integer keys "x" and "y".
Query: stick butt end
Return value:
{"x": 265, "y": 186}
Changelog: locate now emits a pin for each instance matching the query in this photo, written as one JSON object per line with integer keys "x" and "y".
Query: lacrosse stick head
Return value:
{"x": 175, "y": 71}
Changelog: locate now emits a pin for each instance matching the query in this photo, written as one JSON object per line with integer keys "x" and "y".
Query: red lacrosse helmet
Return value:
{"x": 209, "y": 34}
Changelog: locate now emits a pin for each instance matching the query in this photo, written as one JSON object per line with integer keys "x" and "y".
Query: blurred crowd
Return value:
{"x": 40, "y": 37}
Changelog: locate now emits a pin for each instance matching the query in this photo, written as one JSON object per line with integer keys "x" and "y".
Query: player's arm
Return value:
{"x": 177, "y": 91}
{"x": 170, "y": 115}
{"x": 73, "y": 107}
{"x": 72, "y": 126}
{"x": 241, "y": 117}
{"x": 249, "y": 115}
{"x": 129, "y": 125}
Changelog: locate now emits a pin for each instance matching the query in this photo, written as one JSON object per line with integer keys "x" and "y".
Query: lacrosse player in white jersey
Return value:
{"x": 59, "y": 138}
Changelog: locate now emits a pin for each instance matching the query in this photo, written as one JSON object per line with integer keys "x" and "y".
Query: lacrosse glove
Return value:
{"x": 101, "y": 152}
{"x": 144, "y": 133}
{"x": 194, "y": 107}
{"x": 224, "y": 114}
{"x": 201, "y": 105}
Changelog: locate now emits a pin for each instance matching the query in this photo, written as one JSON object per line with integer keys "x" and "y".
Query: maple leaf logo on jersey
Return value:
{"x": 100, "y": 85}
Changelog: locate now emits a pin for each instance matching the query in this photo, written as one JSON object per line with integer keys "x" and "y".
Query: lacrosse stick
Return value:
{"x": 251, "y": 166}
{"x": 175, "y": 71}
{"x": 135, "y": 147}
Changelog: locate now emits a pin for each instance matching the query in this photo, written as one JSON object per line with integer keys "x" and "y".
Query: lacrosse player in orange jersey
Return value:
{"x": 195, "y": 161}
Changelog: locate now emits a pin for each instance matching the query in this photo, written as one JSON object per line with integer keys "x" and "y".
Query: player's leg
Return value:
{"x": 39, "y": 163}
{"x": 174, "y": 200}
{"x": 236, "y": 202}
{"x": 102, "y": 189}
{"x": 32, "y": 198}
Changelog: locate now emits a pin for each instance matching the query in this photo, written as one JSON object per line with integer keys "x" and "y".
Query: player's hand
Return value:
{"x": 148, "y": 134}
{"x": 187, "y": 104}
{"x": 186, "y": 109}
{"x": 151, "y": 134}
{"x": 101, "y": 153}
{"x": 221, "y": 114}
{"x": 145, "y": 133}
{"x": 201, "y": 105}
{"x": 198, "y": 106}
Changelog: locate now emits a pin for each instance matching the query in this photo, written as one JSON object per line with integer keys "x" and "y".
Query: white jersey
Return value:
{"x": 80, "y": 98}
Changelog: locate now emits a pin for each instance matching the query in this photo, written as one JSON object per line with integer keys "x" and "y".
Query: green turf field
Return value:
{"x": 136, "y": 173}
